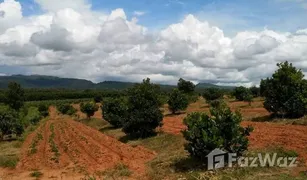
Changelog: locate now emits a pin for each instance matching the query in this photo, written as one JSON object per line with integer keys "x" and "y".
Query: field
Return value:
{"x": 64, "y": 147}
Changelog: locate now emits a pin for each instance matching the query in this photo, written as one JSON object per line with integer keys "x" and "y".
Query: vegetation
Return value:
{"x": 10, "y": 122}
{"x": 37, "y": 174}
{"x": 32, "y": 117}
{"x": 285, "y": 92}
{"x": 14, "y": 96}
{"x": 186, "y": 87}
{"x": 89, "y": 109}
{"x": 212, "y": 94}
{"x": 255, "y": 91}
{"x": 241, "y": 93}
{"x": 98, "y": 98}
{"x": 43, "y": 110}
{"x": 144, "y": 115}
{"x": 115, "y": 111}
{"x": 66, "y": 109}
{"x": 177, "y": 101}
{"x": 220, "y": 130}
{"x": 53, "y": 146}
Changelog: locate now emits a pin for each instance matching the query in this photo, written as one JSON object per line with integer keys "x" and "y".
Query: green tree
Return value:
{"x": 186, "y": 87}
{"x": 10, "y": 122}
{"x": 249, "y": 98}
{"x": 43, "y": 110}
{"x": 285, "y": 92}
{"x": 115, "y": 111}
{"x": 255, "y": 91}
{"x": 89, "y": 109}
{"x": 212, "y": 94}
{"x": 177, "y": 101}
{"x": 14, "y": 96}
{"x": 33, "y": 116}
{"x": 97, "y": 98}
{"x": 66, "y": 109}
{"x": 144, "y": 114}
{"x": 221, "y": 130}
{"x": 241, "y": 92}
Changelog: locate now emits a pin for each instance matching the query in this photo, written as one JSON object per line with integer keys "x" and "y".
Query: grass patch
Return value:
{"x": 94, "y": 123}
{"x": 120, "y": 170}
{"x": 36, "y": 174}
{"x": 7, "y": 161}
{"x": 9, "y": 152}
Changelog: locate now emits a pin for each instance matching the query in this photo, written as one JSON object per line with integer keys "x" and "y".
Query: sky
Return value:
{"x": 224, "y": 42}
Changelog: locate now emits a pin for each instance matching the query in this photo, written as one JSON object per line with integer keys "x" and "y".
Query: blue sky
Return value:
{"x": 252, "y": 36}
{"x": 231, "y": 16}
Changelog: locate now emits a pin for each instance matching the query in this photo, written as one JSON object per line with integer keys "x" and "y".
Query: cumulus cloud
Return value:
{"x": 71, "y": 40}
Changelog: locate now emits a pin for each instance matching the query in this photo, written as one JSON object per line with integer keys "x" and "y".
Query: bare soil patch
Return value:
{"x": 79, "y": 148}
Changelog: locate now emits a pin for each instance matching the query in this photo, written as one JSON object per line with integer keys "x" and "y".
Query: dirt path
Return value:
{"x": 64, "y": 144}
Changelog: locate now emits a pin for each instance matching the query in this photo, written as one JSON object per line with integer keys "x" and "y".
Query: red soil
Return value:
{"x": 265, "y": 134}
{"x": 291, "y": 137}
{"x": 80, "y": 148}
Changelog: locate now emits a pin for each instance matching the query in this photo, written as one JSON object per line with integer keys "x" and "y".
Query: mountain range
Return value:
{"x": 52, "y": 82}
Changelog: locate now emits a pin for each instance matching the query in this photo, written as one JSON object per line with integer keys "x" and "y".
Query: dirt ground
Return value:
{"x": 265, "y": 134}
{"x": 81, "y": 150}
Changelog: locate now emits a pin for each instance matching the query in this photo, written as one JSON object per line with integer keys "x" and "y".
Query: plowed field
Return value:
{"x": 62, "y": 143}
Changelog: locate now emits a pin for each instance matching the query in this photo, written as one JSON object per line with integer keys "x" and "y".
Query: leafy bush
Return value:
{"x": 177, "y": 101}
{"x": 89, "y": 108}
{"x": 33, "y": 116}
{"x": 249, "y": 98}
{"x": 115, "y": 111}
{"x": 43, "y": 110}
{"x": 14, "y": 96}
{"x": 144, "y": 115}
{"x": 241, "y": 92}
{"x": 10, "y": 122}
{"x": 221, "y": 130}
{"x": 212, "y": 94}
{"x": 255, "y": 91}
{"x": 285, "y": 92}
{"x": 66, "y": 109}
{"x": 186, "y": 87}
{"x": 97, "y": 98}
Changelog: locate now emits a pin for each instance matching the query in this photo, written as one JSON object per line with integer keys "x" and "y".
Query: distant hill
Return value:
{"x": 47, "y": 82}
{"x": 208, "y": 85}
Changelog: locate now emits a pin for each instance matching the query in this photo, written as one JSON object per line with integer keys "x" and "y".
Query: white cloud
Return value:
{"x": 139, "y": 13}
{"x": 71, "y": 40}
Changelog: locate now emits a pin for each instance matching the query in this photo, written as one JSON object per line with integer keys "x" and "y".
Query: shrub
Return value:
{"x": 212, "y": 94}
{"x": 249, "y": 98}
{"x": 89, "y": 109}
{"x": 285, "y": 92}
{"x": 10, "y": 122}
{"x": 186, "y": 87}
{"x": 255, "y": 91}
{"x": 14, "y": 96}
{"x": 97, "y": 98}
{"x": 33, "y": 116}
{"x": 66, "y": 109}
{"x": 144, "y": 115}
{"x": 115, "y": 111}
{"x": 177, "y": 101}
{"x": 43, "y": 109}
{"x": 241, "y": 92}
{"x": 221, "y": 130}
